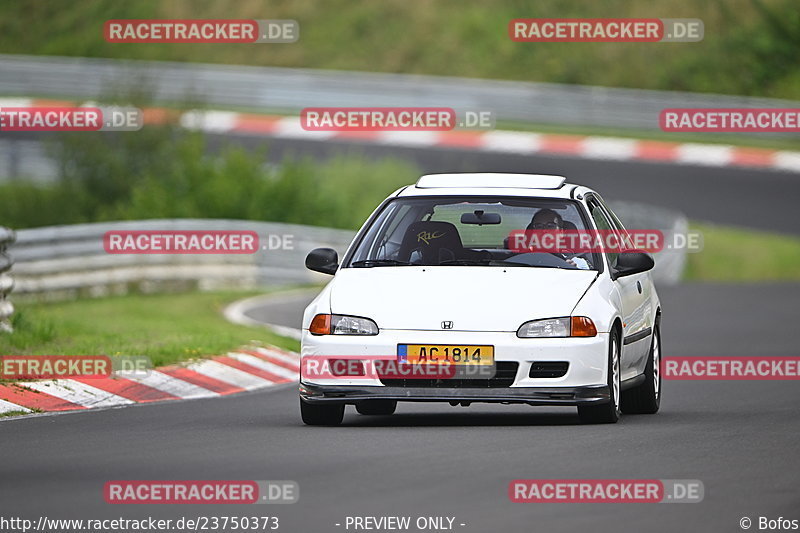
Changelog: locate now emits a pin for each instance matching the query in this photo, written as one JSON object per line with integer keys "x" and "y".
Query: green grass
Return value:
{"x": 9, "y": 414}
{"x": 166, "y": 328}
{"x": 750, "y": 46}
{"x": 743, "y": 255}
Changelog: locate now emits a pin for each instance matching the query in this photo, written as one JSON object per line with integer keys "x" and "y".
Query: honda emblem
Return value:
{"x": 447, "y": 324}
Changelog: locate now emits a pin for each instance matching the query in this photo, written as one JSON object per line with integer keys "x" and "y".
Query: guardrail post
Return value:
{"x": 7, "y": 237}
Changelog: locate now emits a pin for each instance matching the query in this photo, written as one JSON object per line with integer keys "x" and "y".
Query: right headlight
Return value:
{"x": 575, "y": 326}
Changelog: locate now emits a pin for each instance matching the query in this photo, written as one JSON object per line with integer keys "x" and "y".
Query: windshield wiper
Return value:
{"x": 367, "y": 263}
{"x": 467, "y": 262}
{"x": 497, "y": 262}
{"x": 480, "y": 262}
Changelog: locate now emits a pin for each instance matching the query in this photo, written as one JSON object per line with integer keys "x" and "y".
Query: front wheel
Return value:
{"x": 646, "y": 398}
{"x": 606, "y": 413}
{"x": 323, "y": 414}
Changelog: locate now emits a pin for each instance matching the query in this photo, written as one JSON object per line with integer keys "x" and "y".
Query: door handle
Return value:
{"x": 639, "y": 286}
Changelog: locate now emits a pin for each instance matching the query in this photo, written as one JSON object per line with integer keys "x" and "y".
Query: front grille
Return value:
{"x": 548, "y": 369}
{"x": 504, "y": 377}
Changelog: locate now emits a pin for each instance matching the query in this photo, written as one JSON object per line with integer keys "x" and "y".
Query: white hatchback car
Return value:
{"x": 430, "y": 278}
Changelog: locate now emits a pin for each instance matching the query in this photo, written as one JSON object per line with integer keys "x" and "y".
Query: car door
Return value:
{"x": 634, "y": 293}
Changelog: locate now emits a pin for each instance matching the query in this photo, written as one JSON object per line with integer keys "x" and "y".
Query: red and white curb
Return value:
{"x": 247, "y": 369}
{"x": 499, "y": 141}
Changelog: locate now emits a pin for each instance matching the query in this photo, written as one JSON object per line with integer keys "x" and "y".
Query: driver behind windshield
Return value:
{"x": 548, "y": 219}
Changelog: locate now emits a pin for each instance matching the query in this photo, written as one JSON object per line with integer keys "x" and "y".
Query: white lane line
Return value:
{"x": 77, "y": 392}
{"x": 786, "y": 161}
{"x": 609, "y": 148}
{"x": 511, "y": 141}
{"x": 291, "y": 127}
{"x": 275, "y": 354}
{"x": 408, "y": 138}
{"x": 229, "y": 374}
{"x": 16, "y": 102}
{"x": 168, "y": 384}
{"x": 8, "y": 407}
{"x": 705, "y": 154}
{"x": 213, "y": 121}
{"x": 252, "y": 360}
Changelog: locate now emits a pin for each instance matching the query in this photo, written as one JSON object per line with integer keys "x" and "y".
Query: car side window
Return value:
{"x": 603, "y": 224}
{"x": 620, "y": 227}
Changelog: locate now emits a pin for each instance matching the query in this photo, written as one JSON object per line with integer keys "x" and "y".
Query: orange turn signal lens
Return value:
{"x": 320, "y": 325}
{"x": 583, "y": 326}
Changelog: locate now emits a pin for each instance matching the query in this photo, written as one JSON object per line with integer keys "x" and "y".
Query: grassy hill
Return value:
{"x": 751, "y": 47}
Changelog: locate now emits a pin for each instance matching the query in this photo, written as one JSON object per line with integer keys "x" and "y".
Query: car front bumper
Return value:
{"x": 584, "y": 382}
{"x": 526, "y": 395}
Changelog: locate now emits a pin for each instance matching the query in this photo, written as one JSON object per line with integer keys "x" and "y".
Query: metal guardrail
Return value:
{"x": 63, "y": 262}
{"x": 271, "y": 88}
{"x": 7, "y": 237}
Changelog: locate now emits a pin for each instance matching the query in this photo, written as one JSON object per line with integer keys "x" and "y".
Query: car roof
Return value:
{"x": 493, "y": 184}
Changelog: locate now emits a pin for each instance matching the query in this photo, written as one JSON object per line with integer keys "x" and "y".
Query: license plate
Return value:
{"x": 445, "y": 354}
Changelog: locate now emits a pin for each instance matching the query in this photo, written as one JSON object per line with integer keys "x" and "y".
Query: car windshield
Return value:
{"x": 468, "y": 231}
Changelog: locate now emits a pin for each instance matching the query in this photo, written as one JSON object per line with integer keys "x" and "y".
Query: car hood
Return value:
{"x": 472, "y": 298}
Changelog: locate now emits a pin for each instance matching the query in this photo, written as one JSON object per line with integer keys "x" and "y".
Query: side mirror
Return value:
{"x": 633, "y": 263}
{"x": 324, "y": 260}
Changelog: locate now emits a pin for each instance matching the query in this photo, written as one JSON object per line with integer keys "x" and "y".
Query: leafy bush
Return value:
{"x": 166, "y": 172}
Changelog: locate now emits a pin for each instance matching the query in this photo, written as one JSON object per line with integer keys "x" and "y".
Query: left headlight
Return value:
{"x": 575, "y": 326}
{"x": 342, "y": 325}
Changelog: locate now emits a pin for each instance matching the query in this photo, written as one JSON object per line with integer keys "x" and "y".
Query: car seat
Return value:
{"x": 430, "y": 242}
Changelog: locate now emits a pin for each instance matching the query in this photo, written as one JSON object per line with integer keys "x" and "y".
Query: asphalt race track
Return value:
{"x": 738, "y": 437}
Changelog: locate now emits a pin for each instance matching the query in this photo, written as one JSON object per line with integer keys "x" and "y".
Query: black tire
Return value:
{"x": 606, "y": 413}
{"x": 321, "y": 414}
{"x": 377, "y": 407}
{"x": 646, "y": 398}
